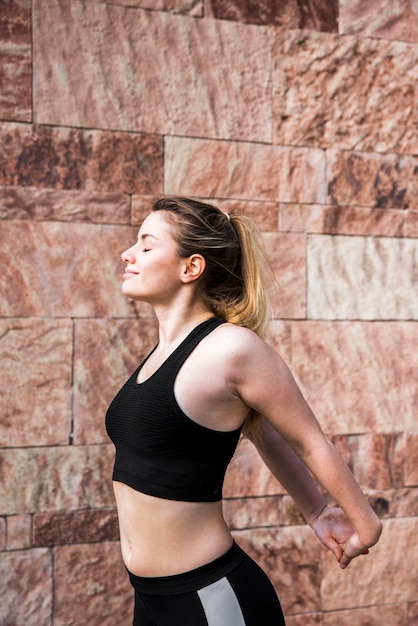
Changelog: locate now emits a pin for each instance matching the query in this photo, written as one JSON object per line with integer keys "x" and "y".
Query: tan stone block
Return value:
{"x": 247, "y": 475}
{"x": 403, "y": 503}
{"x": 63, "y": 528}
{"x": 16, "y": 61}
{"x": 35, "y": 369}
{"x": 317, "y": 14}
{"x": 26, "y": 203}
{"x": 287, "y": 257}
{"x": 26, "y": 587}
{"x": 411, "y": 460}
{"x": 351, "y": 93}
{"x": 372, "y": 180}
{"x": 387, "y": 576}
{"x": 69, "y": 158}
{"x": 243, "y": 171}
{"x": 19, "y": 532}
{"x": 56, "y": 478}
{"x": 367, "y": 278}
{"x": 304, "y": 218}
{"x": 91, "y": 586}
{"x": 230, "y": 97}
{"x": 291, "y": 557}
{"x": 394, "y": 615}
{"x": 380, "y": 18}
{"x": 64, "y": 269}
{"x": 105, "y": 350}
{"x": 353, "y": 377}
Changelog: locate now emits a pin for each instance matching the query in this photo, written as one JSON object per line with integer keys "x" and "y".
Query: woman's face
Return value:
{"x": 153, "y": 267}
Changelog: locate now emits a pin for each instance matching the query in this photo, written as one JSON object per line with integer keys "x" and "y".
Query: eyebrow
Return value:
{"x": 145, "y": 235}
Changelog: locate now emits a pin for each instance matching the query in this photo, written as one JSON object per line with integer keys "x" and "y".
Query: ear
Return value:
{"x": 193, "y": 268}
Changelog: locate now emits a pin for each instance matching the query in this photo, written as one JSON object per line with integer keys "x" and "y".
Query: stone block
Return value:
{"x": 411, "y": 460}
{"x": 19, "y": 532}
{"x": 353, "y": 377}
{"x": 369, "y": 278}
{"x": 70, "y": 158}
{"x": 317, "y": 15}
{"x": 56, "y": 478}
{"x": 105, "y": 350}
{"x": 411, "y": 226}
{"x": 413, "y": 614}
{"x": 291, "y": 557}
{"x": 387, "y": 576}
{"x": 353, "y": 93}
{"x": 372, "y": 180}
{"x": 395, "y": 615}
{"x": 64, "y": 269}
{"x": 26, "y": 587}
{"x": 184, "y": 7}
{"x": 338, "y": 220}
{"x": 230, "y": 97}
{"x": 380, "y": 18}
{"x": 75, "y": 527}
{"x": 243, "y": 171}
{"x": 29, "y": 203}
{"x": 3, "y": 533}
{"x": 261, "y": 512}
{"x": 305, "y": 619}
{"x": 16, "y": 61}
{"x": 91, "y": 586}
{"x": 35, "y": 369}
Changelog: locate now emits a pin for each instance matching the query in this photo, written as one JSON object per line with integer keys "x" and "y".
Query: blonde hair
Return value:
{"x": 234, "y": 284}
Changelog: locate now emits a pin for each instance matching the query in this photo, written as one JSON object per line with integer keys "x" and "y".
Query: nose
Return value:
{"x": 128, "y": 255}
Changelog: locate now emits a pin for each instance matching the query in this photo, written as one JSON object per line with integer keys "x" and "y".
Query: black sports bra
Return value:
{"x": 160, "y": 451}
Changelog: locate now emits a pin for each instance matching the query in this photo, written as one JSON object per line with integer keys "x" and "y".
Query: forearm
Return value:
{"x": 291, "y": 472}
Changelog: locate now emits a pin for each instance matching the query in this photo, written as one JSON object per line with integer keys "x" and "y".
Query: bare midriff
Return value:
{"x": 165, "y": 537}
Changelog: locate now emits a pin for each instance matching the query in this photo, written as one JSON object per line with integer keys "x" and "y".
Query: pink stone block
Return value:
{"x": 353, "y": 93}
{"x": 19, "y": 532}
{"x": 305, "y": 619}
{"x": 411, "y": 460}
{"x": 380, "y": 18}
{"x": 26, "y": 587}
{"x": 261, "y": 512}
{"x": 229, "y": 97}
{"x": 243, "y": 171}
{"x": 62, "y": 528}
{"x": 411, "y": 226}
{"x": 186, "y": 7}
{"x": 395, "y": 615}
{"x": 353, "y": 377}
{"x": 105, "y": 350}
{"x": 291, "y": 557}
{"x": 247, "y": 475}
{"x": 70, "y": 158}
{"x": 3, "y": 531}
{"x": 372, "y": 180}
{"x": 16, "y": 61}
{"x": 56, "y": 478}
{"x": 35, "y": 369}
{"x": 23, "y": 203}
{"x": 91, "y": 586}
{"x": 64, "y": 269}
{"x": 304, "y": 218}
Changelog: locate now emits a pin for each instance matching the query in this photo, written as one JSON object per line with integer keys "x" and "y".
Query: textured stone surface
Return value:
{"x": 392, "y": 580}
{"x": 346, "y": 92}
{"x": 19, "y": 532}
{"x": 91, "y": 586}
{"x": 339, "y": 220}
{"x": 395, "y": 615}
{"x": 15, "y": 60}
{"x": 373, "y": 180}
{"x": 64, "y": 269}
{"x": 23, "y": 203}
{"x": 186, "y": 7}
{"x": 291, "y": 557}
{"x": 35, "y": 369}
{"x": 26, "y": 587}
{"x": 228, "y": 97}
{"x": 69, "y": 158}
{"x": 380, "y": 18}
{"x": 243, "y": 171}
{"x": 105, "y": 350}
{"x": 411, "y": 460}
{"x": 358, "y": 377}
{"x": 92, "y": 526}
{"x": 362, "y": 278}
{"x": 318, "y": 15}
{"x": 261, "y": 512}
{"x": 55, "y": 478}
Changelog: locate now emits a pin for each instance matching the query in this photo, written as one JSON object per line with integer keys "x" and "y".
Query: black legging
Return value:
{"x": 230, "y": 591}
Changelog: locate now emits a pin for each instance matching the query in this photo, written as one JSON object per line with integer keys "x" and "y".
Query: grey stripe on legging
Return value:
{"x": 221, "y": 605}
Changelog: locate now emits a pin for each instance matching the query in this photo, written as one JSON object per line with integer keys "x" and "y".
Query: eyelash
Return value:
{"x": 145, "y": 249}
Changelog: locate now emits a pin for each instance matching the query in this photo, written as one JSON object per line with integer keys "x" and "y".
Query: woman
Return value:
{"x": 176, "y": 422}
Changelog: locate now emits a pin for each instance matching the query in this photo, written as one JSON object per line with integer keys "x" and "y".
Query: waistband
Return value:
{"x": 191, "y": 580}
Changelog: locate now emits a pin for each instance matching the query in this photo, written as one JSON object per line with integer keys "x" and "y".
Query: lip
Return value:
{"x": 129, "y": 273}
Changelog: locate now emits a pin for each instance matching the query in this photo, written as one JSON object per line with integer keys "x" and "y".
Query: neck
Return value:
{"x": 177, "y": 324}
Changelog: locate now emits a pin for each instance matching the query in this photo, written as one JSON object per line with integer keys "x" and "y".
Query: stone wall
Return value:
{"x": 301, "y": 114}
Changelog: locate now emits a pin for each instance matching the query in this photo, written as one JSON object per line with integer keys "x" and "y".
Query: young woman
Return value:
{"x": 176, "y": 422}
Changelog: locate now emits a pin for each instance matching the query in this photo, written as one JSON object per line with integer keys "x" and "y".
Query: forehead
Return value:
{"x": 156, "y": 224}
